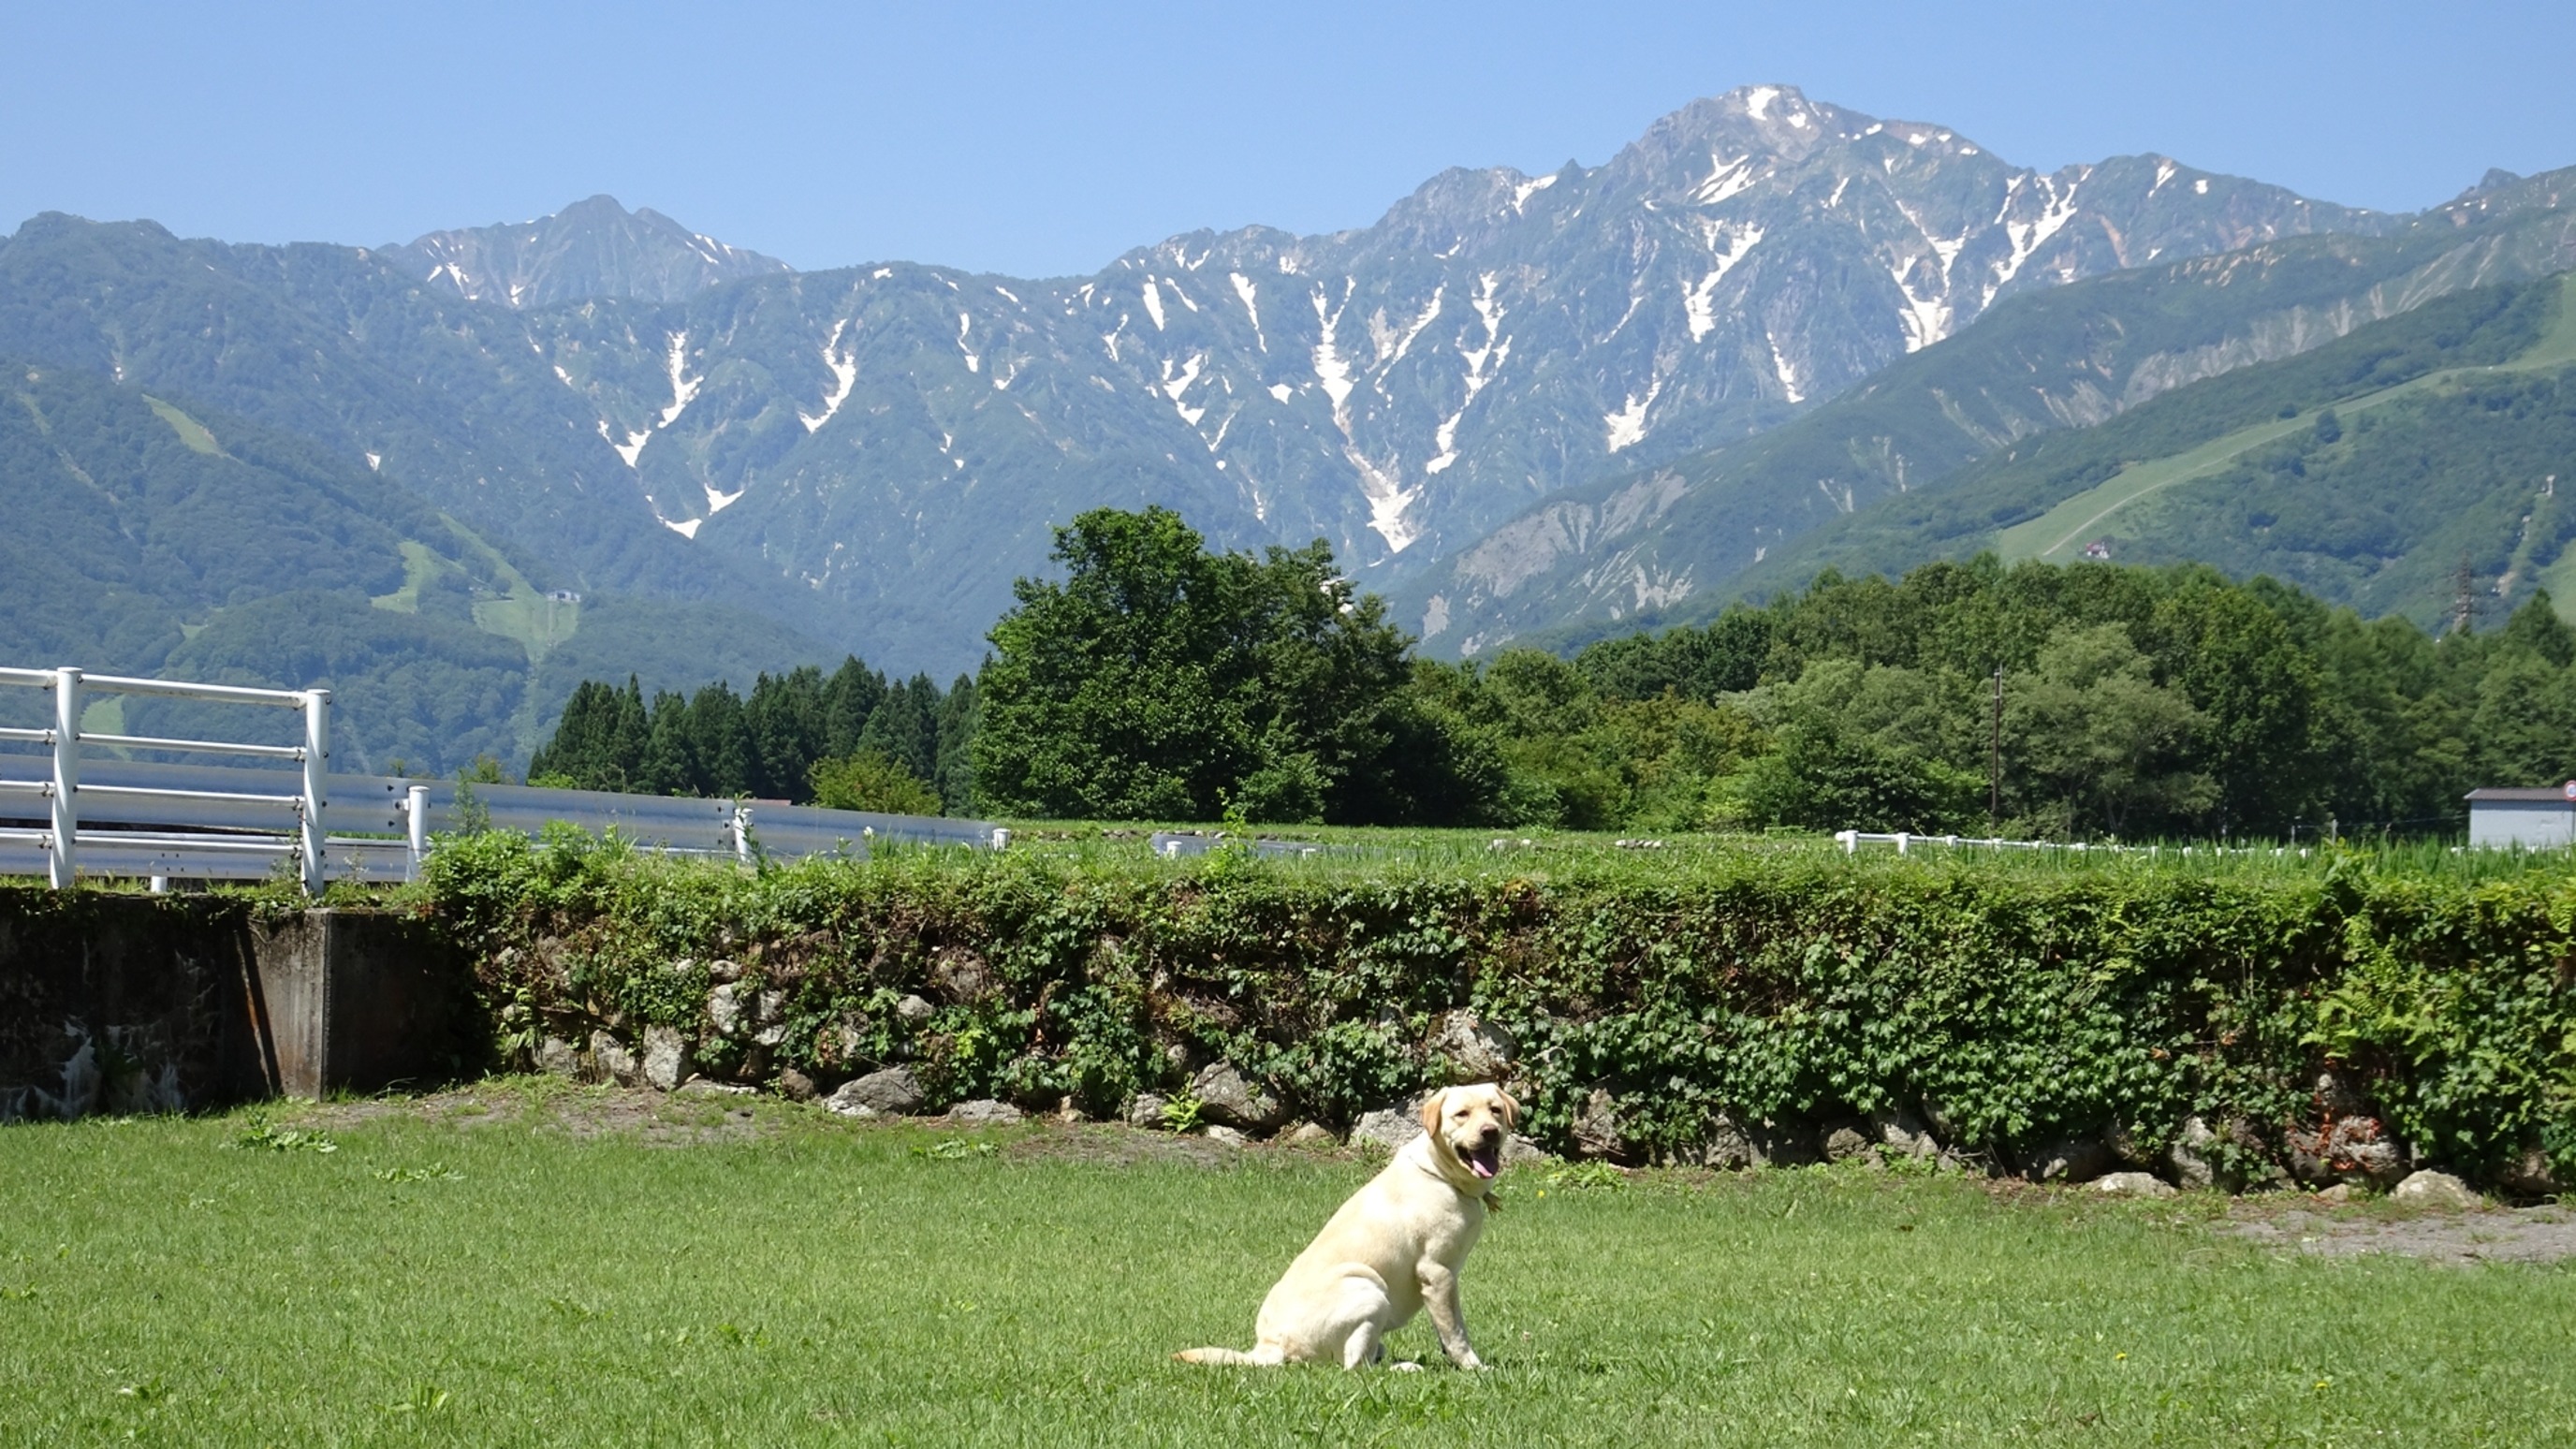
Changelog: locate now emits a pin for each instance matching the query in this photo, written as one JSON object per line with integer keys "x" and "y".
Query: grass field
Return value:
{"x": 524, "y": 1264}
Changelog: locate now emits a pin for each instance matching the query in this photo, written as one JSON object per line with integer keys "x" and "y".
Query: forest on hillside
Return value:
{"x": 1162, "y": 680}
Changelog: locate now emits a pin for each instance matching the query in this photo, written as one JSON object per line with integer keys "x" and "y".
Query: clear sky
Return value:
{"x": 1045, "y": 139}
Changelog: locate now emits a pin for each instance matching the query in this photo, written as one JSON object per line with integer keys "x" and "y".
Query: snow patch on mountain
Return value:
{"x": 1780, "y": 369}
{"x": 845, "y": 374}
{"x": 1244, "y": 288}
{"x": 1725, "y": 179}
{"x": 1699, "y": 299}
{"x": 684, "y": 389}
{"x": 1627, "y": 427}
{"x": 1174, "y": 385}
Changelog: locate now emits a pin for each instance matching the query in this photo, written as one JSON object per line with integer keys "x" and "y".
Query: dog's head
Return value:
{"x": 1468, "y": 1127}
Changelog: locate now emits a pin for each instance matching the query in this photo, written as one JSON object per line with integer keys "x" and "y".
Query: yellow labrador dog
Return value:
{"x": 1394, "y": 1248}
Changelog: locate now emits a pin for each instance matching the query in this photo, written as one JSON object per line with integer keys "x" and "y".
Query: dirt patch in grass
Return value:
{"x": 679, "y": 1119}
{"x": 2544, "y": 1234}
{"x": 2289, "y": 1222}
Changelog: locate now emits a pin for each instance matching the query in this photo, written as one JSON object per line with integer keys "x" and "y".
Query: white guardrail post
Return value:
{"x": 63, "y": 867}
{"x": 416, "y": 824}
{"x": 317, "y": 775}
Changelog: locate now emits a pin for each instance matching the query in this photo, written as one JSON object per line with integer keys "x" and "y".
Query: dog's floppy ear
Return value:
{"x": 1431, "y": 1106}
{"x": 1511, "y": 1109}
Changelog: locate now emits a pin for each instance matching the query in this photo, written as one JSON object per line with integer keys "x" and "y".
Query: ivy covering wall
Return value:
{"x": 2007, "y": 1005}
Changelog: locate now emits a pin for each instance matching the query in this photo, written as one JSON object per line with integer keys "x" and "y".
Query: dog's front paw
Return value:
{"x": 1405, "y": 1366}
{"x": 1471, "y": 1364}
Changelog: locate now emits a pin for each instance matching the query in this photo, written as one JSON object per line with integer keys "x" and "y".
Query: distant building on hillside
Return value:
{"x": 2542, "y": 819}
{"x": 2099, "y": 550}
{"x": 564, "y": 596}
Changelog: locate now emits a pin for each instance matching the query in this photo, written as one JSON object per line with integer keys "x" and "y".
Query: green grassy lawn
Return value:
{"x": 598, "y": 1271}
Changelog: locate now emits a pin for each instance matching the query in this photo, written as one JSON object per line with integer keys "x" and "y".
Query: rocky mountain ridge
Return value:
{"x": 872, "y": 453}
{"x": 592, "y": 248}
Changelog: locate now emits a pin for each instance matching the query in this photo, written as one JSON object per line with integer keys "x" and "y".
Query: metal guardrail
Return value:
{"x": 1183, "y": 844}
{"x": 110, "y": 816}
{"x": 63, "y": 792}
{"x": 1853, "y": 840}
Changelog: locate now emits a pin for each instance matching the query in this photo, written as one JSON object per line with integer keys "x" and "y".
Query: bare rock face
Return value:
{"x": 613, "y": 1061}
{"x": 914, "y": 1010}
{"x": 895, "y": 1092}
{"x": 2529, "y": 1175}
{"x": 1147, "y": 1110}
{"x": 1228, "y": 1100}
{"x": 769, "y": 1015}
{"x": 1519, "y": 1151}
{"x": 1902, "y": 1134}
{"x": 1309, "y": 1135}
{"x": 1596, "y": 1128}
{"x": 666, "y": 1058}
{"x": 1477, "y": 1050}
{"x": 557, "y": 1058}
{"x": 1387, "y": 1128}
{"x": 2133, "y": 1184}
{"x": 984, "y": 1112}
{"x": 724, "y": 1010}
{"x": 1844, "y": 1142}
{"x": 795, "y": 1086}
{"x": 2346, "y": 1149}
{"x": 2438, "y": 1190}
{"x": 1728, "y": 1147}
{"x": 2195, "y": 1160}
{"x": 961, "y": 976}
{"x": 1224, "y": 1136}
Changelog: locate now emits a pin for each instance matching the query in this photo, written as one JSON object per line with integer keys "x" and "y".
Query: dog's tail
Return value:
{"x": 1262, "y": 1357}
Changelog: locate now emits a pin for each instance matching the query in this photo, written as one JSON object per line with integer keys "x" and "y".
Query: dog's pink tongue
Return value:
{"x": 1480, "y": 1167}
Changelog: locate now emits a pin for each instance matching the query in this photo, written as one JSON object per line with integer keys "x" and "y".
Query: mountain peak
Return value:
{"x": 594, "y": 247}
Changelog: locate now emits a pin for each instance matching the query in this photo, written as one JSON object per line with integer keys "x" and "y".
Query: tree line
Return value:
{"x": 1159, "y": 679}
{"x": 854, "y": 740}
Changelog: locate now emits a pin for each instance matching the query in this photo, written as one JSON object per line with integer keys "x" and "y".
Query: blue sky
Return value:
{"x": 1046, "y": 139}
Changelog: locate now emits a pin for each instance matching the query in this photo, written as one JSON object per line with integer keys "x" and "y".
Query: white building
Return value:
{"x": 2540, "y": 819}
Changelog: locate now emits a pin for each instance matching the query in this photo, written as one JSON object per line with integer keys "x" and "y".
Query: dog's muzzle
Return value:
{"x": 1485, "y": 1159}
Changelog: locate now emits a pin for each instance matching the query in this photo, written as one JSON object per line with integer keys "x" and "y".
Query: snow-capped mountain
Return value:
{"x": 640, "y": 408}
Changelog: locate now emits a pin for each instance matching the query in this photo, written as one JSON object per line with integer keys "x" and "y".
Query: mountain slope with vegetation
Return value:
{"x": 2367, "y": 472}
{"x": 1680, "y": 540}
{"x": 155, "y": 536}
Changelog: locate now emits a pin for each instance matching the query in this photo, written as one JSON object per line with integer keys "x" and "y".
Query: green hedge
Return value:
{"x": 2022, "y": 1005}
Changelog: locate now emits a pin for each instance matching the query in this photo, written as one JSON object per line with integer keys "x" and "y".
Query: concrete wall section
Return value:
{"x": 133, "y": 1003}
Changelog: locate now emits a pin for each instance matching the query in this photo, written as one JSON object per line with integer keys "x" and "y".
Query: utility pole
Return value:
{"x": 1995, "y": 760}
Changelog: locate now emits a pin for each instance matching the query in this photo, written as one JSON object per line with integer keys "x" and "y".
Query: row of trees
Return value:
{"x": 1161, "y": 680}
{"x": 854, "y": 739}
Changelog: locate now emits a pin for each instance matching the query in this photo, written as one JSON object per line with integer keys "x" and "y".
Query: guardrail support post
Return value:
{"x": 317, "y": 774}
{"x": 63, "y": 866}
{"x": 416, "y": 819}
{"x": 1001, "y": 838}
{"x": 742, "y": 834}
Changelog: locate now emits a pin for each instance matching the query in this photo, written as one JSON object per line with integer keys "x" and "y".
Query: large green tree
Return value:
{"x": 1162, "y": 681}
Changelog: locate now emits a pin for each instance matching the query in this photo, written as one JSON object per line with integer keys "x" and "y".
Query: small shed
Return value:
{"x": 2541, "y": 819}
